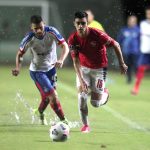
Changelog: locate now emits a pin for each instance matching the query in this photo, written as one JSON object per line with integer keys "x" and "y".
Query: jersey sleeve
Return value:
{"x": 105, "y": 39}
{"x": 24, "y": 45}
{"x": 58, "y": 37}
{"x": 72, "y": 46}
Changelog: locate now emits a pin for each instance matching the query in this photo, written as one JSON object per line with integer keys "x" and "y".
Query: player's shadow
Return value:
{"x": 74, "y": 131}
{"x": 43, "y": 141}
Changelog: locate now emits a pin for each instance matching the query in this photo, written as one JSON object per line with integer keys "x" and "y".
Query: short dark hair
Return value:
{"x": 36, "y": 19}
{"x": 80, "y": 15}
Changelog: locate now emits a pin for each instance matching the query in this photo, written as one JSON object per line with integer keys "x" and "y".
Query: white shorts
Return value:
{"x": 94, "y": 78}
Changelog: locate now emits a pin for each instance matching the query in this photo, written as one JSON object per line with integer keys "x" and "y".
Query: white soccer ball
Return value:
{"x": 59, "y": 132}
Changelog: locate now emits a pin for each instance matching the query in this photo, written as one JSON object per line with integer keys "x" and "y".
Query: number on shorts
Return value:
{"x": 99, "y": 83}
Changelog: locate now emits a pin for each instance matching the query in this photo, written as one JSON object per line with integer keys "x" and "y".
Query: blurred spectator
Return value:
{"x": 93, "y": 23}
{"x": 128, "y": 38}
{"x": 144, "y": 60}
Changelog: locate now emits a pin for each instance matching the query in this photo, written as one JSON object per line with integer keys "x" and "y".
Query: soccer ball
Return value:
{"x": 59, "y": 132}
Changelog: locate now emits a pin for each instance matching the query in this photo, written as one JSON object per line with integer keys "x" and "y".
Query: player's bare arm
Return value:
{"x": 123, "y": 66}
{"x": 16, "y": 71}
{"x": 76, "y": 63}
{"x": 63, "y": 55}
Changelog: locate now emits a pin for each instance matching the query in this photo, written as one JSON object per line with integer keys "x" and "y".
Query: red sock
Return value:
{"x": 139, "y": 77}
{"x": 43, "y": 105}
{"x": 58, "y": 109}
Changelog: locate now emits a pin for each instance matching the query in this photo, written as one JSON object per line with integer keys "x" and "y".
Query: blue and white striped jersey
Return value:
{"x": 43, "y": 50}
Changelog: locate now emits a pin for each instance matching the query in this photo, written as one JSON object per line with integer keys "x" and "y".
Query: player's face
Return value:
{"x": 38, "y": 29}
{"x": 81, "y": 25}
{"x": 132, "y": 21}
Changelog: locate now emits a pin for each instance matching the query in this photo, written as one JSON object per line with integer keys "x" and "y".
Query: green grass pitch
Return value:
{"x": 123, "y": 124}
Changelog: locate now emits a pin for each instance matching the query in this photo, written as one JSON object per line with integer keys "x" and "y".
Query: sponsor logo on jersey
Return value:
{"x": 77, "y": 46}
{"x": 93, "y": 43}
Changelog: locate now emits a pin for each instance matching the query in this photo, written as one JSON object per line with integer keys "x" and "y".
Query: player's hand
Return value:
{"x": 15, "y": 72}
{"x": 59, "y": 64}
{"x": 123, "y": 68}
{"x": 84, "y": 86}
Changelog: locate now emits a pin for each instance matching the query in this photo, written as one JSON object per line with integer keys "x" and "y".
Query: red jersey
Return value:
{"x": 91, "y": 50}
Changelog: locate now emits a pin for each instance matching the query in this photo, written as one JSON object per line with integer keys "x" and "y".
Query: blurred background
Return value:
{"x": 124, "y": 124}
{"x": 15, "y": 20}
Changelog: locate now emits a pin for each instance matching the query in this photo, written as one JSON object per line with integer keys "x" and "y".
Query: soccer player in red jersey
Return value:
{"x": 88, "y": 51}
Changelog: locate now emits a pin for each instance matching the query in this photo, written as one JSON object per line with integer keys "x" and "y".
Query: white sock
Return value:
{"x": 82, "y": 103}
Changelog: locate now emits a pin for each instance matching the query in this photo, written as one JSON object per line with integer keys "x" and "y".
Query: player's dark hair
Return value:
{"x": 80, "y": 15}
{"x": 36, "y": 19}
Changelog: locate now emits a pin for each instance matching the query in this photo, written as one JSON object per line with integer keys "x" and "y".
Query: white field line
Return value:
{"x": 116, "y": 114}
{"x": 124, "y": 119}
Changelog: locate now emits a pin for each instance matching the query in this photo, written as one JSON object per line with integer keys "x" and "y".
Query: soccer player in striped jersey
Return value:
{"x": 88, "y": 51}
{"x": 42, "y": 42}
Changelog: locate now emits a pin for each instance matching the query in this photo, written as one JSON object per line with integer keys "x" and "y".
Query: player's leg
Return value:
{"x": 98, "y": 99}
{"x": 139, "y": 77}
{"x": 48, "y": 93}
{"x": 44, "y": 101}
{"x": 82, "y": 106}
{"x": 82, "y": 101}
{"x": 54, "y": 101}
{"x": 144, "y": 62}
{"x": 99, "y": 94}
{"x": 83, "y": 111}
{"x": 55, "y": 105}
{"x": 52, "y": 76}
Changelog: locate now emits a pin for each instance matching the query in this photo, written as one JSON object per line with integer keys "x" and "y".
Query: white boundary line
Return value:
{"x": 124, "y": 119}
{"x": 127, "y": 121}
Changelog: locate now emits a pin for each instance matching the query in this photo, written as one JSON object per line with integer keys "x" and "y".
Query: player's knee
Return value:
{"x": 52, "y": 97}
{"x": 83, "y": 95}
{"x": 95, "y": 103}
{"x": 46, "y": 100}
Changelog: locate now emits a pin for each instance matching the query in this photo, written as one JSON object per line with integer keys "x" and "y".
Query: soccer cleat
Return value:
{"x": 134, "y": 92}
{"x": 85, "y": 129}
{"x": 40, "y": 115}
{"x": 65, "y": 121}
{"x": 106, "y": 91}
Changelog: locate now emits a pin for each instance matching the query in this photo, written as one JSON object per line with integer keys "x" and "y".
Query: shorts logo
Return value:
{"x": 45, "y": 89}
